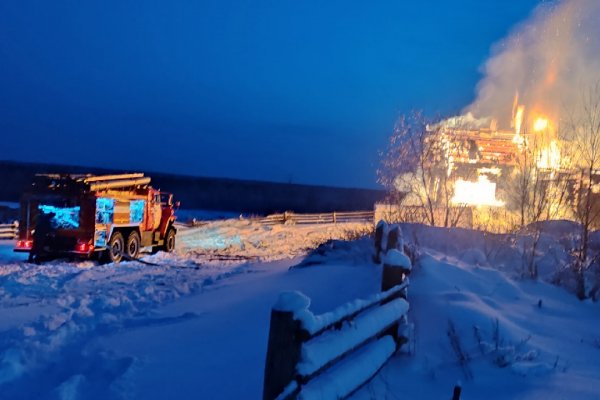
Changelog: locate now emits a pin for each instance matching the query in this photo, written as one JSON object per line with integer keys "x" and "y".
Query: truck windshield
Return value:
{"x": 166, "y": 199}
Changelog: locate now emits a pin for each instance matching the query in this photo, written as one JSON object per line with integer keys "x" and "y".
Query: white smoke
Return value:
{"x": 548, "y": 60}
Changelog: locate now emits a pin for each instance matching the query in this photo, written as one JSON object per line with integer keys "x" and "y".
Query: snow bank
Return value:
{"x": 521, "y": 338}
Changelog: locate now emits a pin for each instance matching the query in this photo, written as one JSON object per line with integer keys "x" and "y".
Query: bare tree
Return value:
{"x": 416, "y": 170}
{"x": 537, "y": 192}
{"x": 582, "y": 134}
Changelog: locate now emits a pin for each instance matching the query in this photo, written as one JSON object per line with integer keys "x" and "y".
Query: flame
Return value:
{"x": 479, "y": 193}
{"x": 519, "y": 140}
{"x": 549, "y": 157}
{"x": 519, "y": 119}
{"x": 540, "y": 124}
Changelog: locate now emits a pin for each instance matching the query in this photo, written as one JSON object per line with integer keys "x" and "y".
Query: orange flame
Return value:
{"x": 540, "y": 124}
{"x": 479, "y": 193}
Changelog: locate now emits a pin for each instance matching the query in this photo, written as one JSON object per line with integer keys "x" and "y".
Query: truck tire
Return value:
{"x": 116, "y": 247}
{"x": 132, "y": 248}
{"x": 169, "y": 245}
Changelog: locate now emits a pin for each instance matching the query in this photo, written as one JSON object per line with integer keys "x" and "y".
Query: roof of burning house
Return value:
{"x": 483, "y": 146}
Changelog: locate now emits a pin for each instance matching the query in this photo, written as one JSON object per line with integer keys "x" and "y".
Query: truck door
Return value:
{"x": 154, "y": 212}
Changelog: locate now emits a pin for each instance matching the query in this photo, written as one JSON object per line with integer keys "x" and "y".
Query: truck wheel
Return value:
{"x": 116, "y": 247}
{"x": 133, "y": 245}
{"x": 169, "y": 245}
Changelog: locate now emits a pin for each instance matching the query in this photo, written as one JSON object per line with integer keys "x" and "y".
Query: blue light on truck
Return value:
{"x": 100, "y": 239}
{"x": 105, "y": 210}
{"x": 136, "y": 211}
{"x": 64, "y": 217}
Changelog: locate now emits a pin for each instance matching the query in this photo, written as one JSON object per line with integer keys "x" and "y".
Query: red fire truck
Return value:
{"x": 109, "y": 216}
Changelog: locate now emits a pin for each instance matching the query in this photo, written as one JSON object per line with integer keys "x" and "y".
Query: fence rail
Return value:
{"x": 9, "y": 231}
{"x": 322, "y": 218}
{"x": 330, "y": 356}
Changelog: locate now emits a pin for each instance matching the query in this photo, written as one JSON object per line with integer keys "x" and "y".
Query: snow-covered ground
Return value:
{"x": 521, "y": 339}
{"x": 254, "y": 241}
{"x": 195, "y": 325}
{"x": 62, "y": 324}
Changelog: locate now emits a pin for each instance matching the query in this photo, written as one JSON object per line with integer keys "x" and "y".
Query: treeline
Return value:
{"x": 254, "y": 197}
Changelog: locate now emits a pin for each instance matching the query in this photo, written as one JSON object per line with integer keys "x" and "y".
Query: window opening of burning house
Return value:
{"x": 64, "y": 217}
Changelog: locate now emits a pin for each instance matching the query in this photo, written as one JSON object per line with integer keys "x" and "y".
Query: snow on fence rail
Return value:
{"x": 9, "y": 231}
{"x": 323, "y": 218}
{"x": 330, "y": 356}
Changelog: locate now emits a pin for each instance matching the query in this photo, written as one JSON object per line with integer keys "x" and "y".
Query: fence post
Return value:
{"x": 334, "y": 218}
{"x": 395, "y": 240}
{"x": 456, "y": 392}
{"x": 396, "y": 268}
{"x": 285, "y": 342}
{"x": 396, "y": 264}
{"x": 380, "y": 232}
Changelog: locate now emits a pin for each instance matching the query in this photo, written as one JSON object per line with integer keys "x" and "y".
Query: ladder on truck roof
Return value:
{"x": 104, "y": 182}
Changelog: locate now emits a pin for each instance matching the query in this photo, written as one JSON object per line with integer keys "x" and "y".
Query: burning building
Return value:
{"x": 532, "y": 153}
{"x": 482, "y": 156}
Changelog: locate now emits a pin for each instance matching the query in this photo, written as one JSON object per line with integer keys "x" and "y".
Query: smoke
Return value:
{"x": 549, "y": 59}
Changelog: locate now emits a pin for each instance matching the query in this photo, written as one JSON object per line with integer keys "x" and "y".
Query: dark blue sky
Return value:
{"x": 302, "y": 91}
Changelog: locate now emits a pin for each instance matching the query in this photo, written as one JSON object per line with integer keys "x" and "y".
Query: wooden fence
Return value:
{"x": 330, "y": 356}
{"x": 323, "y": 218}
{"x": 9, "y": 231}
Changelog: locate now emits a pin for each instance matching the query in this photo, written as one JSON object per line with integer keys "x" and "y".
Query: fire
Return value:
{"x": 549, "y": 157}
{"x": 540, "y": 124}
{"x": 519, "y": 119}
{"x": 479, "y": 193}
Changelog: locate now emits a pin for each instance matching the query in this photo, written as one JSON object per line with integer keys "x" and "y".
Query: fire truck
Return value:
{"x": 110, "y": 217}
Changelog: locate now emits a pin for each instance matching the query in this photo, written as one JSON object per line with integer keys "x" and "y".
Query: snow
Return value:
{"x": 288, "y": 390}
{"x": 396, "y": 258}
{"x": 315, "y": 323}
{"x": 196, "y": 324}
{"x": 319, "y": 351}
{"x": 292, "y": 302}
{"x": 343, "y": 379}
{"x": 255, "y": 241}
{"x": 88, "y": 331}
{"x": 522, "y": 338}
